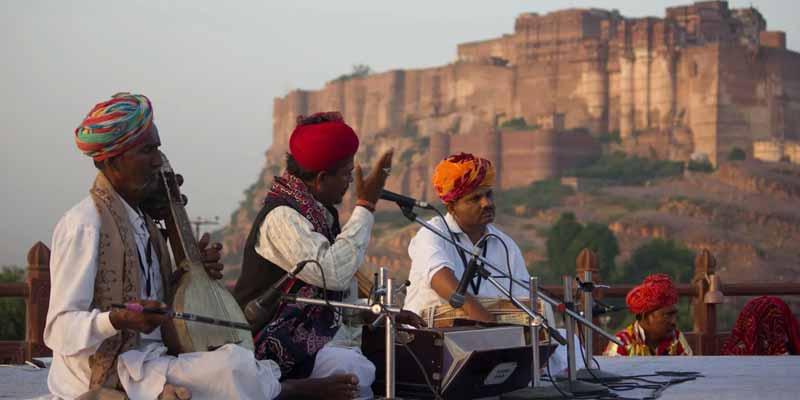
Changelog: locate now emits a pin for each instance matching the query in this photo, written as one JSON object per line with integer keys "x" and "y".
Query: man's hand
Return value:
{"x": 369, "y": 189}
{"x": 139, "y": 322}
{"x": 211, "y": 256}
{"x": 409, "y": 318}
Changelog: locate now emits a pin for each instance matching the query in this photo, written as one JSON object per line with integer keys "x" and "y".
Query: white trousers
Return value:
{"x": 337, "y": 360}
{"x": 230, "y": 372}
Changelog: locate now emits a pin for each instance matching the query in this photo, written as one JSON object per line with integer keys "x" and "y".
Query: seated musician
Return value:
{"x": 299, "y": 222}
{"x": 106, "y": 250}
{"x": 765, "y": 327}
{"x": 654, "y": 332}
{"x": 464, "y": 183}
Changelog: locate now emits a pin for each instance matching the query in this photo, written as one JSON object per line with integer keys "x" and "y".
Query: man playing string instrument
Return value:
{"x": 299, "y": 222}
{"x": 106, "y": 250}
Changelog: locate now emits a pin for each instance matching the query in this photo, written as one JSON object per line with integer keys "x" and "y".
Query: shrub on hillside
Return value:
{"x": 621, "y": 169}
{"x": 737, "y": 154}
{"x": 536, "y": 196}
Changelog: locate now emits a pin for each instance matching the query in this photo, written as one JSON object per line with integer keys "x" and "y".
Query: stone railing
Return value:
{"x": 704, "y": 338}
{"x": 36, "y": 292}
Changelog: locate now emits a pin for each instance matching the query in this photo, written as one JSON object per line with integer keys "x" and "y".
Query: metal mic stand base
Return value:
{"x": 596, "y": 375}
{"x": 546, "y": 391}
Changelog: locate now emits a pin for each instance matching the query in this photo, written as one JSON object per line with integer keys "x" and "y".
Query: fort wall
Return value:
{"x": 703, "y": 68}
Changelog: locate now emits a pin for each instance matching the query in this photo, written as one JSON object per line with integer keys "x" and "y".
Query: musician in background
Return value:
{"x": 654, "y": 332}
{"x": 299, "y": 222}
{"x": 465, "y": 184}
{"x": 106, "y": 250}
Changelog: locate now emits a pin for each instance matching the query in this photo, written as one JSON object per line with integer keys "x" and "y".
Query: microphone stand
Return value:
{"x": 384, "y": 308}
{"x": 537, "y": 389}
{"x": 589, "y": 373}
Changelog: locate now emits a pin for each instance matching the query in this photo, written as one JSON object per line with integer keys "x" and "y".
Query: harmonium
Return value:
{"x": 504, "y": 311}
{"x": 457, "y": 362}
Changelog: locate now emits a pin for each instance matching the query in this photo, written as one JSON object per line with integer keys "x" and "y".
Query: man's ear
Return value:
{"x": 319, "y": 178}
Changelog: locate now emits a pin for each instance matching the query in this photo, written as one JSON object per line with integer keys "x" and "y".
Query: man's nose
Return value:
{"x": 487, "y": 202}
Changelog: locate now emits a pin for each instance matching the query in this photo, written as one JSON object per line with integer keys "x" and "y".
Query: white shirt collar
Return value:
{"x": 136, "y": 218}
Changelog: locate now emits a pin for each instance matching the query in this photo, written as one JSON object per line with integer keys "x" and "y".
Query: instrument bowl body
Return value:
{"x": 198, "y": 294}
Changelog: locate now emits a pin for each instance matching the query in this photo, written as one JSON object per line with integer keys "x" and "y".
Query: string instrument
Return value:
{"x": 505, "y": 312}
{"x": 196, "y": 292}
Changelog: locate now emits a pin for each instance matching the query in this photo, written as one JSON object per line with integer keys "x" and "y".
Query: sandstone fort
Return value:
{"x": 702, "y": 80}
{"x": 699, "y": 82}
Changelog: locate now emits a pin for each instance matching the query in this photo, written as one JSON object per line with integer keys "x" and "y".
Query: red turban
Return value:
{"x": 657, "y": 291}
{"x": 321, "y": 140}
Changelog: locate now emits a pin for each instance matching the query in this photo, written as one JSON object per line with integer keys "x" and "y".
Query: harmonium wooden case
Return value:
{"x": 460, "y": 362}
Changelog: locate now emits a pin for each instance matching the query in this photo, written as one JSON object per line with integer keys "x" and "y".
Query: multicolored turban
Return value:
{"x": 321, "y": 140}
{"x": 657, "y": 291}
{"x": 113, "y": 126}
{"x": 460, "y": 174}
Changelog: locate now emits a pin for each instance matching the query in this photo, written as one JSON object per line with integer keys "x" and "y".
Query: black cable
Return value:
{"x": 550, "y": 375}
{"x": 508, "y": 260}
{"x": 422, "y": 369}
{"x": 337, "y": 314}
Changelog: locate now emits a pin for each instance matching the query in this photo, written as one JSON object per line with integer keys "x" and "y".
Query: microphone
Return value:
{"x": 599, "y": 309}
{"x": 457, "y": 299}
{"x": 260, "y": 311}
{"x": 404, "y": 201}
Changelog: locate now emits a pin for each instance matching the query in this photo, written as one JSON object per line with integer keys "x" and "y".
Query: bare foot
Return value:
{"x": 172, "y": 392}
{"x": 337, "y": 387}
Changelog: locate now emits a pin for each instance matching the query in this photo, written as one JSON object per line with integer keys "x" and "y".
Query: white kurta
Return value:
{"x": 75, "y": 330}
{"x": 430, "y": 253}
{"x": 286, "y": 238}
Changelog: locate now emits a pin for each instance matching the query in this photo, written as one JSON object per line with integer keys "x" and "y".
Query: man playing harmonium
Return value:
{"x": 464, "y": 183}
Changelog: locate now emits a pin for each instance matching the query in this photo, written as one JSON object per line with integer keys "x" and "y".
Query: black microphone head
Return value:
{"x": 456, "y": 300}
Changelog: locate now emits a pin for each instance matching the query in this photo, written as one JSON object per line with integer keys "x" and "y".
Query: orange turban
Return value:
{"x": 657, "y": 291}
{"x": 460, "y": 174}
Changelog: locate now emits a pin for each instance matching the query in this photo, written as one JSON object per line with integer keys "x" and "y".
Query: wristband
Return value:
{"x": 366, "y": 204}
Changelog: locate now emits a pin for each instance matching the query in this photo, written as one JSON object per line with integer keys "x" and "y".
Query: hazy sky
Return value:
{"x": 212, "y": 69}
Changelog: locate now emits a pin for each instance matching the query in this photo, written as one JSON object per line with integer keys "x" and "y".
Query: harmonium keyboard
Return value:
{"x": 458, "y": 362}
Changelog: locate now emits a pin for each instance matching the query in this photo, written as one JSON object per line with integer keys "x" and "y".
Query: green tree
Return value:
{"x": 599, "y": 239}
{"x": 12, "y": 310}
{"x": 737, "y": 154}
{"x": 659, "y": 256}
{"x": 568, "y": 237}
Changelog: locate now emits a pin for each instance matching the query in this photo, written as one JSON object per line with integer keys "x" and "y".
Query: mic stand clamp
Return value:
{"x": 385, "y": 310}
